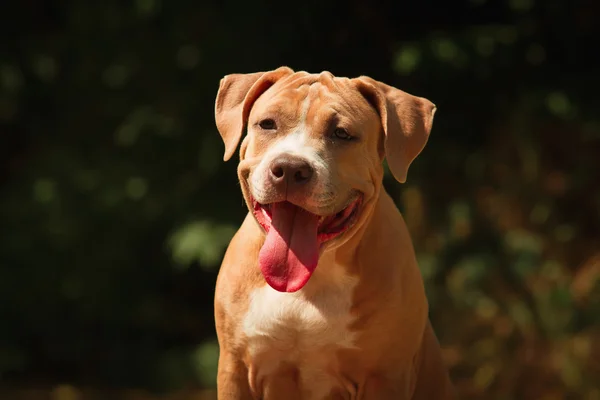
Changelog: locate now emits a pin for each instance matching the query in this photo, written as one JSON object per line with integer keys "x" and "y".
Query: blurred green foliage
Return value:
{"x": 115, "y": 206}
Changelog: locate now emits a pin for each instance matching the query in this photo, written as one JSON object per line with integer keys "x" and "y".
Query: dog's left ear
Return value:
{"x": 237, "y": 93}
{"x": 406, "y": 121}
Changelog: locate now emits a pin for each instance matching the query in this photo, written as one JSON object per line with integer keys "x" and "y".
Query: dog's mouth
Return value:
{"x": 294, "y": 238}
{"x": 328, "y": 227}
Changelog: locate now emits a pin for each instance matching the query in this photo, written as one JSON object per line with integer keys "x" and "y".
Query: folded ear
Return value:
{"x": 237, "y": 93}
{"x": 406, "y": 121}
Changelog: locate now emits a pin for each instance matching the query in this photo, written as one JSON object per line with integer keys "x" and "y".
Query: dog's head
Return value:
{"x": 311, "y": 162}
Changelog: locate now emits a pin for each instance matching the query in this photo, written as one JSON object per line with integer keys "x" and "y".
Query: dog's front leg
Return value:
{"x": 283, "y": 385}
{"x": 232, "y": 379}
{"x": 381, "y": 387}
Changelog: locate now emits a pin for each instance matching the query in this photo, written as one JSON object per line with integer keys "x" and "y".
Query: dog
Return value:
{"x": 319, "y": 295}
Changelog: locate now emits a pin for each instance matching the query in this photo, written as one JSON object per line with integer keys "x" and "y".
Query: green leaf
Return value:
{"x": 201, "y": 241}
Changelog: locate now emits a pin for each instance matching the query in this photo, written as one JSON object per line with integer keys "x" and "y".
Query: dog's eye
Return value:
{"x": 267, "y": 124}
{"x": 341, "y": 133}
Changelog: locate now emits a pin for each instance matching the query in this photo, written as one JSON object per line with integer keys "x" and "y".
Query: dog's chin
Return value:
{"x": 330, "y": 227}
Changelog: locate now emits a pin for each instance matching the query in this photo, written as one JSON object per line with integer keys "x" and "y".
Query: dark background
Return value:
{"x": 116, "y": 207}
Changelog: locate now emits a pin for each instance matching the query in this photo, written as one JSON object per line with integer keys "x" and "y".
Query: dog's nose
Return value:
{"x": 290, "y": 170}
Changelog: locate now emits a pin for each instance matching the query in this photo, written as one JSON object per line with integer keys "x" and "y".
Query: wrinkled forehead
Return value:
{"x": 313, "y": 98}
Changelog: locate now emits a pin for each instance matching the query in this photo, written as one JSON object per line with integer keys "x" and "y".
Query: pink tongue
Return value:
{"x": 291, "y": 250}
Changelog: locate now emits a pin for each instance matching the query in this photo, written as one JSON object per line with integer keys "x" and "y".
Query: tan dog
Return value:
{"x": 319, "y": 295}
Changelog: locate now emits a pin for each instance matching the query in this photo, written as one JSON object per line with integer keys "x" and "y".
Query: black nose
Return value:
{"x": 290, "y": 170}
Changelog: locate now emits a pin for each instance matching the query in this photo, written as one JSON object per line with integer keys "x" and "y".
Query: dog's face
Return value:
{"x": 311, "y": 162}
{"x": 312, "y": 142}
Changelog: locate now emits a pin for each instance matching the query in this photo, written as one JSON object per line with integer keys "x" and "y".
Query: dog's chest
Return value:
{"x": 301, "y": 330}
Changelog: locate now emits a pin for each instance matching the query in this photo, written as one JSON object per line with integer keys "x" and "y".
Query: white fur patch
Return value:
{"x": 295, "y": 144}
{"x": 301, "y": 329}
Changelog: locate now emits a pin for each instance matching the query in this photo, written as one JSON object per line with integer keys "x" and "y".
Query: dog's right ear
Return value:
{"x": 237, "y": 93}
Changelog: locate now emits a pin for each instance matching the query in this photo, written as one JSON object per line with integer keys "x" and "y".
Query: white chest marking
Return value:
{"x": 302, "y": 329}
